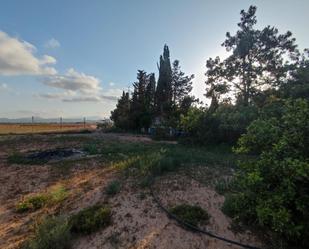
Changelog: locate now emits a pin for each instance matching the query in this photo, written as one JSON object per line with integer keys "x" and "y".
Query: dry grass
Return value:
{"x": 43, "y": 128}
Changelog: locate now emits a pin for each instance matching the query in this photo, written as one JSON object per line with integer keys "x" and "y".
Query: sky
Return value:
{"x": 73, "y": 58}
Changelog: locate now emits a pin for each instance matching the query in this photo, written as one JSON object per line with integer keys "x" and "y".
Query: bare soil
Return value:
{"x": 137, "y": 221}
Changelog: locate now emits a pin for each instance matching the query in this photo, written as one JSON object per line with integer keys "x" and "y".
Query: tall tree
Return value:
{"x": 150, "y": 92}
{"x": 181, "y": 84}
{"x": 258, "y": 56}
{"x": 120, "y": 115}
{"x": 298, "y": 84}
{"x": 138, "y": 103}
{"x": 216, "y": 84}
{"x": 164, "y": 86}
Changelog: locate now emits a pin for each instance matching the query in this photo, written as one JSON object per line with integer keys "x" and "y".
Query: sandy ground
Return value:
{"x": 137, "y": 220}
{"x": 139, "y": 223}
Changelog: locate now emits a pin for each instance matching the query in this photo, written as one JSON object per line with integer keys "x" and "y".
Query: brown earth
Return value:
{"x": 43, "y": 128}
{"x": 137, "y": 221}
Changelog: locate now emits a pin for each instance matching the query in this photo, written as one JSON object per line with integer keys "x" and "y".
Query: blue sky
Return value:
{"x": 73, "y": 58}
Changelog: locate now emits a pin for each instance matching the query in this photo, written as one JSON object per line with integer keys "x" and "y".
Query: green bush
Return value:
{"x": 225, "y": 125}
{"x": 32, "y": 203}
{"x": 56, "y": 195}
{"x": 193, "y": 215}
{"x": 51, "y": 233}
{"x": 273, "y": 190}
{"x": 90, "y": 219}
{"x": 91, "y": 149}
{"x": 260, "y": 136}
{"x": 223, "y": 185}
{"x": 166, "y": 164}
{"x": 113, "y": 188}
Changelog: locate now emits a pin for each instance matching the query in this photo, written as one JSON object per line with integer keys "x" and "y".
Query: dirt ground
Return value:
{"x": 137, "y": 221}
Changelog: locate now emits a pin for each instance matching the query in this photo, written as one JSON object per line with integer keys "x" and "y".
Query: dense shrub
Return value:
{"x": 91, "y": 149}
{"x": 193, "y": 215}
{"x": 225, "y": 125}
{"x": 90, "y": 219}
{"x": 32, "y": 203}
{"x": 113, "y": 188}
{"x": 273, "y": 191}
{"x": 51, "y": 233}
{"x": 260, "y": 136}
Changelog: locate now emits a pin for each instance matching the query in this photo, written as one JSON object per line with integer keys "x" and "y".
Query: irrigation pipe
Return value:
{"x": 194, "y": 228}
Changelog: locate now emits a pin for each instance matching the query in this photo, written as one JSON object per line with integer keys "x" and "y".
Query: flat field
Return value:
{"x": 43, "y": 128}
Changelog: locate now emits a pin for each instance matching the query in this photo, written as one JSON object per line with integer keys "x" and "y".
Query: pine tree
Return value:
{"x": 181, "y": 84}
{"x": 258, "y": 56}
{"x": 216, "y": 84}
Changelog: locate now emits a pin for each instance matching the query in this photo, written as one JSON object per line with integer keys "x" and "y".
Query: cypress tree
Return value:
{"x": 138, "y": 103}
{"x": 164, "y": 86}
{"x": 150, "y": 93}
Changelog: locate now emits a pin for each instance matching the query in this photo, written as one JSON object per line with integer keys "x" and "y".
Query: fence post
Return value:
{"x": 32, "y": 121}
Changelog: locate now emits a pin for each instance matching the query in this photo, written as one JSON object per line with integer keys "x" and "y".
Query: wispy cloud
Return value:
{"x": 110, "y": 95}
{"x": 74, "y": 81}
{"x": 99, "y": 98}
{"x": 57, "y": 95}
{"x": 83, "y": 99}
{"x": 17, "y": 57}
{"x": 52, "y": 43}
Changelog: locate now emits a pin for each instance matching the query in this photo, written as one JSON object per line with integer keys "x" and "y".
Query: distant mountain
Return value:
{"x": 49, "y": 120}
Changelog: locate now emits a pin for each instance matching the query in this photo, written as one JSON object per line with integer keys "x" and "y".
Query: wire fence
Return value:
{"x": 37, "y": 125}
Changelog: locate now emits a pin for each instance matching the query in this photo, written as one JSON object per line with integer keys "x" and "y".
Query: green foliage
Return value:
{"x": 90, "y": 219}
{"x": 56, "y": 195}
{"x": 193, "y": 215}
{"x": 56, "y": 232}
{"x": 298, "y": 85}
{"x": 113, "y": 188}
{"x": 273, "y": 190}
{"x": 166, "y": 101}
{"x": 191, "y": 120}
{"x": 223, "y": 185}
{"x": 120, "y": 115}
{"x": 257, "y": 58}
{"x": 151, "y": 164}
{"x": 181, "y": 84}
{"x": 216, "y": 84}
{"x": 260, "y": 136}
{"x": 225, "y": 125}
{"x": 32, "y": 203}
{"x": 92, "y": 149}
{"x": 51, "y": 233}
{"x": 164, "y": 92}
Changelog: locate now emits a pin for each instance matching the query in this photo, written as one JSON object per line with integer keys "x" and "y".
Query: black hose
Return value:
{"x": 194, "y": 228}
